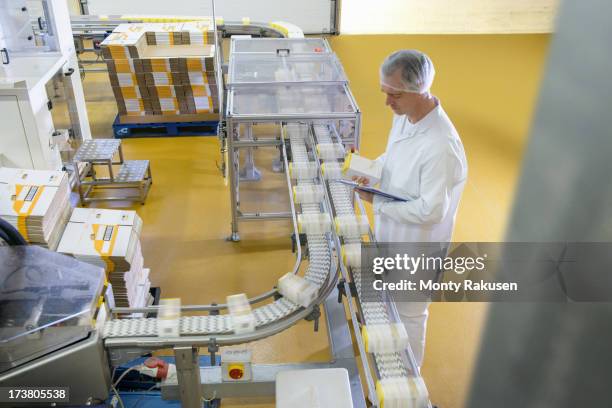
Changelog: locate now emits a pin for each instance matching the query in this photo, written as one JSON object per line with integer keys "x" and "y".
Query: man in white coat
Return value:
{"x": 425, "y": 162}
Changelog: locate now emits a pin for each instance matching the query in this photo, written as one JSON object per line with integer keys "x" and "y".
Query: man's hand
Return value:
{"x": 364, "y": 181}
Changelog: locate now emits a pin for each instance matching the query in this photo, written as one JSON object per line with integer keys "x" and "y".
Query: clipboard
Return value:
{"x": 372, "y": 190}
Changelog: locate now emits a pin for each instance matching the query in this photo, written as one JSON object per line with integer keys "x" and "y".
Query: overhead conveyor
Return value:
{"x": 96, "y": 27}
{"x": 92, "y": 25}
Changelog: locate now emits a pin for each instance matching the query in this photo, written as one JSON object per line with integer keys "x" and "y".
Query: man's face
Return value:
{"x": 401, "y": 103}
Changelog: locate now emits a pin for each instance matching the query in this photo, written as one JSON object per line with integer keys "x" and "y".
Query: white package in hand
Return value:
{"x": 358, "y": 166}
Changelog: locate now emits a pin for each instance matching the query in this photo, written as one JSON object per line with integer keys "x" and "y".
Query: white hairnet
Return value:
{"x": 417, "y": 71}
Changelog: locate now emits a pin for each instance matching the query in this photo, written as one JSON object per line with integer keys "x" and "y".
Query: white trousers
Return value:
{"x": 414, "y": 317}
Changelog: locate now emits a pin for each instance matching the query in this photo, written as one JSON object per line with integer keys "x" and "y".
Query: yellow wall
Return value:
{"x": 488, "y": 86}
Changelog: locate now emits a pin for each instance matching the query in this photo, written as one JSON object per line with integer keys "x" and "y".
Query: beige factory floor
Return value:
{"x": 487, "y": 84}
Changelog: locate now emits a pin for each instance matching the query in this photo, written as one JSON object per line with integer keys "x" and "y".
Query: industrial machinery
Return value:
{"x": 291, "y": 96}
{"x": 274, "y": 81}
{"x": 41, "y": 102}
{"x": 48, "y": 310}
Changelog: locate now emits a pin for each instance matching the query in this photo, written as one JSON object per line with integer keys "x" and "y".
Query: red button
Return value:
{"x": 236, "y": 373}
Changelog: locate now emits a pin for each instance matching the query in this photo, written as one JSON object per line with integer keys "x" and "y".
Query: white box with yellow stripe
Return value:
{"x": 101, "y": 233}
{"x": 36, "y": 203}
{"x": 359, "y": 166}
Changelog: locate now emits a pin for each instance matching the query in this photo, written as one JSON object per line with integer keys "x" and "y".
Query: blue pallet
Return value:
{"x": 165, "y": 129}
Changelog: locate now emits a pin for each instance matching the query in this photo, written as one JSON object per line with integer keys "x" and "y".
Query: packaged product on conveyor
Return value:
{"x": 243, "y": 320}
{"x": 351, "y": 255}
{"x": 331, "y": 170}
{"x": 352, "y": 226}
{"x": 303, "y": 171}
{"x": 297, "y": 289}
{"x": 308, "y": 194}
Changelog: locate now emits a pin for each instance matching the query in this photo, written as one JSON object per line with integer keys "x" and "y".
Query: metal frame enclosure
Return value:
{"x": 236, "y": 142}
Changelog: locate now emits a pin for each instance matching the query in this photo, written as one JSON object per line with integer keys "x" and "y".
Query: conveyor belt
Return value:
{"x": 374, "y": 311}
{"x": 318, "y": 272}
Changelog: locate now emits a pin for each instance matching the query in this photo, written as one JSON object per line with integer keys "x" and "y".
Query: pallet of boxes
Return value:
{"x": 111, "y": 239}
{"x": 163, "y": 71}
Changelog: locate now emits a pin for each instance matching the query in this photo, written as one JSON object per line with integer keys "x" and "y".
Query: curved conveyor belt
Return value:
{"x": 281, "y": 314}
{"x": 270, "y": 318}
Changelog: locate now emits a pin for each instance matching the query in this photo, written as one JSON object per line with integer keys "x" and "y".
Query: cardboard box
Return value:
{"x": 179, "y": 91}
{"x": 145, "y": 92}
{"x": 136, "y": 113}
{"x": 177, "y": 118}
{"x": 151, "y": 39}
{"x": 110, "y": 66}
{"x": 82, "y": 234}
{"x": 123, "y": 79}
{"x": 201, "y": 78}
{"x": 36, "y": 203}
{"x": 109, "y": 239}
{"x": 137, "y": 63}
{"x": 117, "y": 93}
{"x": 125, "y": 66}
{"x": 178, "y": 65}
{"x": 121, "y": 110}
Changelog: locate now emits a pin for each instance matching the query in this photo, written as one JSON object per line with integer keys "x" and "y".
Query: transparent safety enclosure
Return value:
{"x": 279, "y": 100}
{"x": 251, "y": 69}
{"x": 275, "y": 82}
{"x": 279, "y": 45}
{"x": 17, "y": 32}
{"x": 47, "y": 300}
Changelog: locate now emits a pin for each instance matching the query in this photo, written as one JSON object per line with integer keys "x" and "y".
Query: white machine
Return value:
{"x": 42, "y": 107}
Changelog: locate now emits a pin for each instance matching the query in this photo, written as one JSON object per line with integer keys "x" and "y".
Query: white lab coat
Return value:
{"x": 426, "y": 163}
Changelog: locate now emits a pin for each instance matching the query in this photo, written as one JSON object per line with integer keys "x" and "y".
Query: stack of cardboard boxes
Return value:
{"x": 36, "y": 203}
{"x": 163, "y": 69}
{"x": 110, "y": 239}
